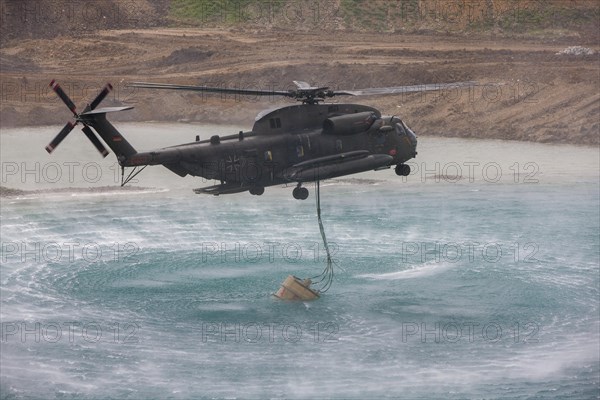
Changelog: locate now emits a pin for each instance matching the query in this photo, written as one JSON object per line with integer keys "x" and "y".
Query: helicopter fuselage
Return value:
{"x": 297, "y": 143}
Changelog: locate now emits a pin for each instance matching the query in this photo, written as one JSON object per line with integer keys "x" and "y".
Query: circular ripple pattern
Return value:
{"x": 447, "y": 290}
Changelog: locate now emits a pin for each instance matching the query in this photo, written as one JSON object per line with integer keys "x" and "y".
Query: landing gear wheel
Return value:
{"x": 257, "y": 190}
{"x": 402, "y": 170}
{"x": 300, "y": 193}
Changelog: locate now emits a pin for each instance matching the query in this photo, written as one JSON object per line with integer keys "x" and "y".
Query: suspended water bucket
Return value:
{"x": 294, "y": 288}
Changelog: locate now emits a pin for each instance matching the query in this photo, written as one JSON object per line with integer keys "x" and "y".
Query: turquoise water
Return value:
{"x": 447, "y": 289}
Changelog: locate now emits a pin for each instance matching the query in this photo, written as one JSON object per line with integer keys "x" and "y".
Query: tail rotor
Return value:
{"x": 70, "y": 125}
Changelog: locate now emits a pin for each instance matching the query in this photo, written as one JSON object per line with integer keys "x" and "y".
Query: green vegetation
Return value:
{"x": 528, "y": 18}
{"x": 226, "y": 12}
{"x": 369, "y": 15}
{"x": 508, "y": 16}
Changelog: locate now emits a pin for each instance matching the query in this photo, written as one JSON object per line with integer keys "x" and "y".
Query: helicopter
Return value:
{"x": 292, "y": 144}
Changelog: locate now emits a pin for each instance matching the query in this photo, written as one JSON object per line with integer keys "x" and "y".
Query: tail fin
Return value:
{"x": 96, "y": 118}
{"x": 111, "y": 136}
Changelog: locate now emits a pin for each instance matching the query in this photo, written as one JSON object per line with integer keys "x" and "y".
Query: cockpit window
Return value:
{"x": 400, "y": 129}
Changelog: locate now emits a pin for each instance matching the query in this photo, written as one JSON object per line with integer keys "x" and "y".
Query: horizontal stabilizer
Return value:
{"x": 105, "y": 110}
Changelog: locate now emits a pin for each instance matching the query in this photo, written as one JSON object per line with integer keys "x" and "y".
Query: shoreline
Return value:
{"x": 529, "y": 91}
{"x": 4, "y": 129}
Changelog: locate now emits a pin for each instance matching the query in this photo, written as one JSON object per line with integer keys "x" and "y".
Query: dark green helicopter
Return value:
{"x": 292, "y": 144}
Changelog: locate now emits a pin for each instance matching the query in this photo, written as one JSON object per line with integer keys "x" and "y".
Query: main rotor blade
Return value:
{"x": 59, "y": 138}
{"x": 209, "y": 89}
{"x": 95, "y": 141}
{"x": 403, "y": 89}
{"x": 63, "y": 96}
{"x": 101, "y": 96}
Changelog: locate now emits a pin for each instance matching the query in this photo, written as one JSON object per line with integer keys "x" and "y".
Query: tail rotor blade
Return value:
{"x": 63, "y": 96}
{"x": 59, "y": 138}
{"x": 101, "y": 96}
{"x": 95, "y": 141}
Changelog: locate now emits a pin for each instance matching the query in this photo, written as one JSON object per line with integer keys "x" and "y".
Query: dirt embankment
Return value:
{"x": 526, "y": 91}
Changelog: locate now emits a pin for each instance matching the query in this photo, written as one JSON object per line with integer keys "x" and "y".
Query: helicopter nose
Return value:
{"x": 413, "y": 140}
{"x": 407, "y": 141}
{"x": 411, "y": 136}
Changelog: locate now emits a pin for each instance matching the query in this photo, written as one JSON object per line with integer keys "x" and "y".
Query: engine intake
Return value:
{"x": 349, "y": 124}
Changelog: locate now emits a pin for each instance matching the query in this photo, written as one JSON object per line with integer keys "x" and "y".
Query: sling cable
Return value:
{"x": 294, "y": 288}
